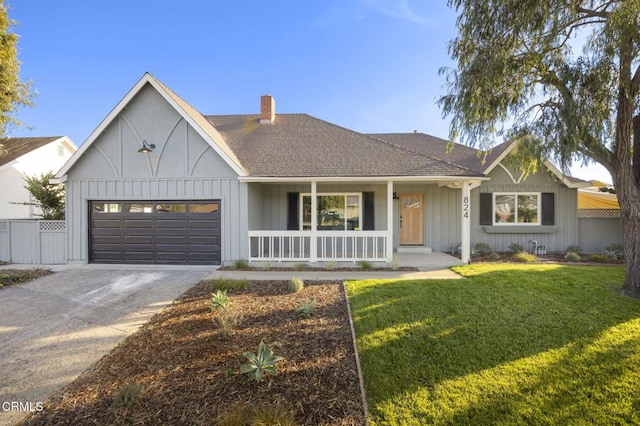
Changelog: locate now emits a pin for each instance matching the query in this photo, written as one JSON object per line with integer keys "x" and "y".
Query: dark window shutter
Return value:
{"x": 486, "y": 208}
{"x": 368, "y": 218}
{"x": 548, "y": 215}
{"x": 292, "y": 211}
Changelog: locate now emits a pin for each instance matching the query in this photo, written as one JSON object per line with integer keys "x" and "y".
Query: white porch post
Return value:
{"x": 389, "y": 253}
{"x": 466, "y": 222}
{"x": 313, "y": 250}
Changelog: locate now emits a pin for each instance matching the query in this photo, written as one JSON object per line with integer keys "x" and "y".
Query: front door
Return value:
{"x": 411, "y": 219}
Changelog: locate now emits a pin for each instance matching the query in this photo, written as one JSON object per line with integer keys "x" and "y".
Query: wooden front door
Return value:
{"x": 411, "y": 219}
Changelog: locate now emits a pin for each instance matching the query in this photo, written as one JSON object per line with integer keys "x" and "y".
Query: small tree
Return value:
{"x": 49, "y": 197}
{"x": 14, "y": 93}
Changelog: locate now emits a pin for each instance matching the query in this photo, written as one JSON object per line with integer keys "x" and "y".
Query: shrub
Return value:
{"x": 494, "y": 256}
{"x": 598, "y": 258}
{"x": 128, "y": 395}
{"x": 615, "y": 247}
{"x": 525, "y": 257}
{"x": 261, "y": 364}
{"x": 227, "y": 321}
{"x": 239, "y": 264}
{"x": 272, "y": 414}
{"x": 330, "y": 266}
{"x": 572, "y": 257}
{"x": 516, "y": 248}
{"x": 306, "y": 308}
{"x": 301, "y": 267}
{"x": 612, "y": 255}
{"x": 296, "y": 285}
{"x": 573, "y": 249}
{"x": 365, "y": 264}
{"x": 228, "y": 284}
{"x": 482, "y": 249}
{"x": 219, "y": 300}
{"x": 266, "y": 266}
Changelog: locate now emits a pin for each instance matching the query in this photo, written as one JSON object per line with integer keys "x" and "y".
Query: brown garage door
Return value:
{"x": 160, "y": 232}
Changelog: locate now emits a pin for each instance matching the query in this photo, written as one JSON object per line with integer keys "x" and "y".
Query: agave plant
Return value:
{"x": 261, "y": 364}
{"x": 306, "y": 308}
{"x": 219, "y": 300}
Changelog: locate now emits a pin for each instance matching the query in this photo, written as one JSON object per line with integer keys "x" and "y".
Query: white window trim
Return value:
{"x": 516, "y": 223}
{"x": 322, "y": 194}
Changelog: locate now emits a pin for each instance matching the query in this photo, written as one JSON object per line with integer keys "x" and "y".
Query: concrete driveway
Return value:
{"x": 55, "y": 327}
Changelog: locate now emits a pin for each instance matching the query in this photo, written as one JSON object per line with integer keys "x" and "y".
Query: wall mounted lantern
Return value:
{"x": 146, "y": 147}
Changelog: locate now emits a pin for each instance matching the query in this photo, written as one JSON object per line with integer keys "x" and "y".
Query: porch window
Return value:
{"x": 336, "y": 212}
{"x": 516, "y": 208}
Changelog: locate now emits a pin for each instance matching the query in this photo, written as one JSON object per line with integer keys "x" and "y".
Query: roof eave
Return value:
{"x": 429, "y": 179}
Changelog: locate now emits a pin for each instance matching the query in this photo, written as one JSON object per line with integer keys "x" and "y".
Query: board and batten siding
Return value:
{"x": 556, "y": 238}
{"x": 442, "y": 207}
{"x": 268, "y": 203}
{"x": 182, "y": 166}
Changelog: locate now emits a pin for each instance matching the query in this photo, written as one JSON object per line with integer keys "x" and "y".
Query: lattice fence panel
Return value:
{"x": 4, "y": 226}
{"x": 604, "y": 213}
{"x": 53, "y": 225}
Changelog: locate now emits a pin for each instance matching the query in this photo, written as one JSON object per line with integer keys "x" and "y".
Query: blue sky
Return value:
{"x": 368, "y": 65}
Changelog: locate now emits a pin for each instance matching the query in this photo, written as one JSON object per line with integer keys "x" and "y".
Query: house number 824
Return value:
{"x": 465, "y": 207}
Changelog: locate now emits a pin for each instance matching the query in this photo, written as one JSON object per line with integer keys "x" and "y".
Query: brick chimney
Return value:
{"x": 267, "y": 109}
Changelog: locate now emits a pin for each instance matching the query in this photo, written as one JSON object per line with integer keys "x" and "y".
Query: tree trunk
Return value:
{"x": 632, "y": 252}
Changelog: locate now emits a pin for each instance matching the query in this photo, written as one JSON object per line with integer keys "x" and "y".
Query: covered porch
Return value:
{"x": 348, "y": 220}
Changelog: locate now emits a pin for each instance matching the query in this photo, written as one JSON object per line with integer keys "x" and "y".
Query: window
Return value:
{"x": 138, "y": 208}
{"x": 106, "y": 207}
{"x": 203, "y": 207}
{"x": 336, "y": 212}
{"x": 516, "y": 209}
{"x": 170, "y": 208}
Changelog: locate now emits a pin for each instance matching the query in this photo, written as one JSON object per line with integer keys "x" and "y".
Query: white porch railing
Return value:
{"x": 330, "y": 245}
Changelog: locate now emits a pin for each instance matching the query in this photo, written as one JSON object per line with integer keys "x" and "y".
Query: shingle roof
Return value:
{"x": 298, "y": 145}
{"x": 434, "y": 147}
{"x": 17, "y": 147}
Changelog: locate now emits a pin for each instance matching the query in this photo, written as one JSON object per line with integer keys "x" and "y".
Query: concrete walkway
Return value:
{"x": 430, "y": 266}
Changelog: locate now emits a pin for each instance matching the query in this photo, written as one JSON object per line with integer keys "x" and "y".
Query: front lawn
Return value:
{"x": 511, "y": 344}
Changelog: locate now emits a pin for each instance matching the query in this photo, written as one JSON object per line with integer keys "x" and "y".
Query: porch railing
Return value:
{"x": 329, "y": 245}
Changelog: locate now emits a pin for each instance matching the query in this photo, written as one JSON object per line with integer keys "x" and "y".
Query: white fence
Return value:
{"x": 33, "y": 241}
{"x": 596, "y": 233}
{"x": 330, "y": 245}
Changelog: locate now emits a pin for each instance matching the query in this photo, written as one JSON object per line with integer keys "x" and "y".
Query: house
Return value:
{"x": 28, "y": 157}
{"x": 158, "y": 182}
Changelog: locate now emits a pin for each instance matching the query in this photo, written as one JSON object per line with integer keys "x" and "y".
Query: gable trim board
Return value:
{"x": 270, "y": 202}
{"x": 199, "y": 124}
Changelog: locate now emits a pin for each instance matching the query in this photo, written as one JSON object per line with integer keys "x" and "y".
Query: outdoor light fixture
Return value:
{"x": 146, "y": 147}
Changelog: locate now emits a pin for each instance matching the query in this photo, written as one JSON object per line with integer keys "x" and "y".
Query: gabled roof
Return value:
{"x": 463, "y": 156}
{"x": 17, "y": 147}
{"x": 193, "y": 117}
{"x": 302, "y": 146}
{"x": 299, "y": 145}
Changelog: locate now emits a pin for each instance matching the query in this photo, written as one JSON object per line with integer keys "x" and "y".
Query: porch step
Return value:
{"x": 415, "y": 249}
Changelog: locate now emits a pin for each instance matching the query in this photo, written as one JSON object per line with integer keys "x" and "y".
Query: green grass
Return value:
{"x": 512, "y": 344}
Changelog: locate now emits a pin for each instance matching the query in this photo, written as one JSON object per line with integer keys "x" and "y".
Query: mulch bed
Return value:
{"x": 545, "y": 258}
{"x": 187, "y": 373}
{"x": 19, "y": 276}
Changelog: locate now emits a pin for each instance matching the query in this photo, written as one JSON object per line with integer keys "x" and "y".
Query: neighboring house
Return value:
{"x": 158, "y": 182}
{"x": 28, "y": 157}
